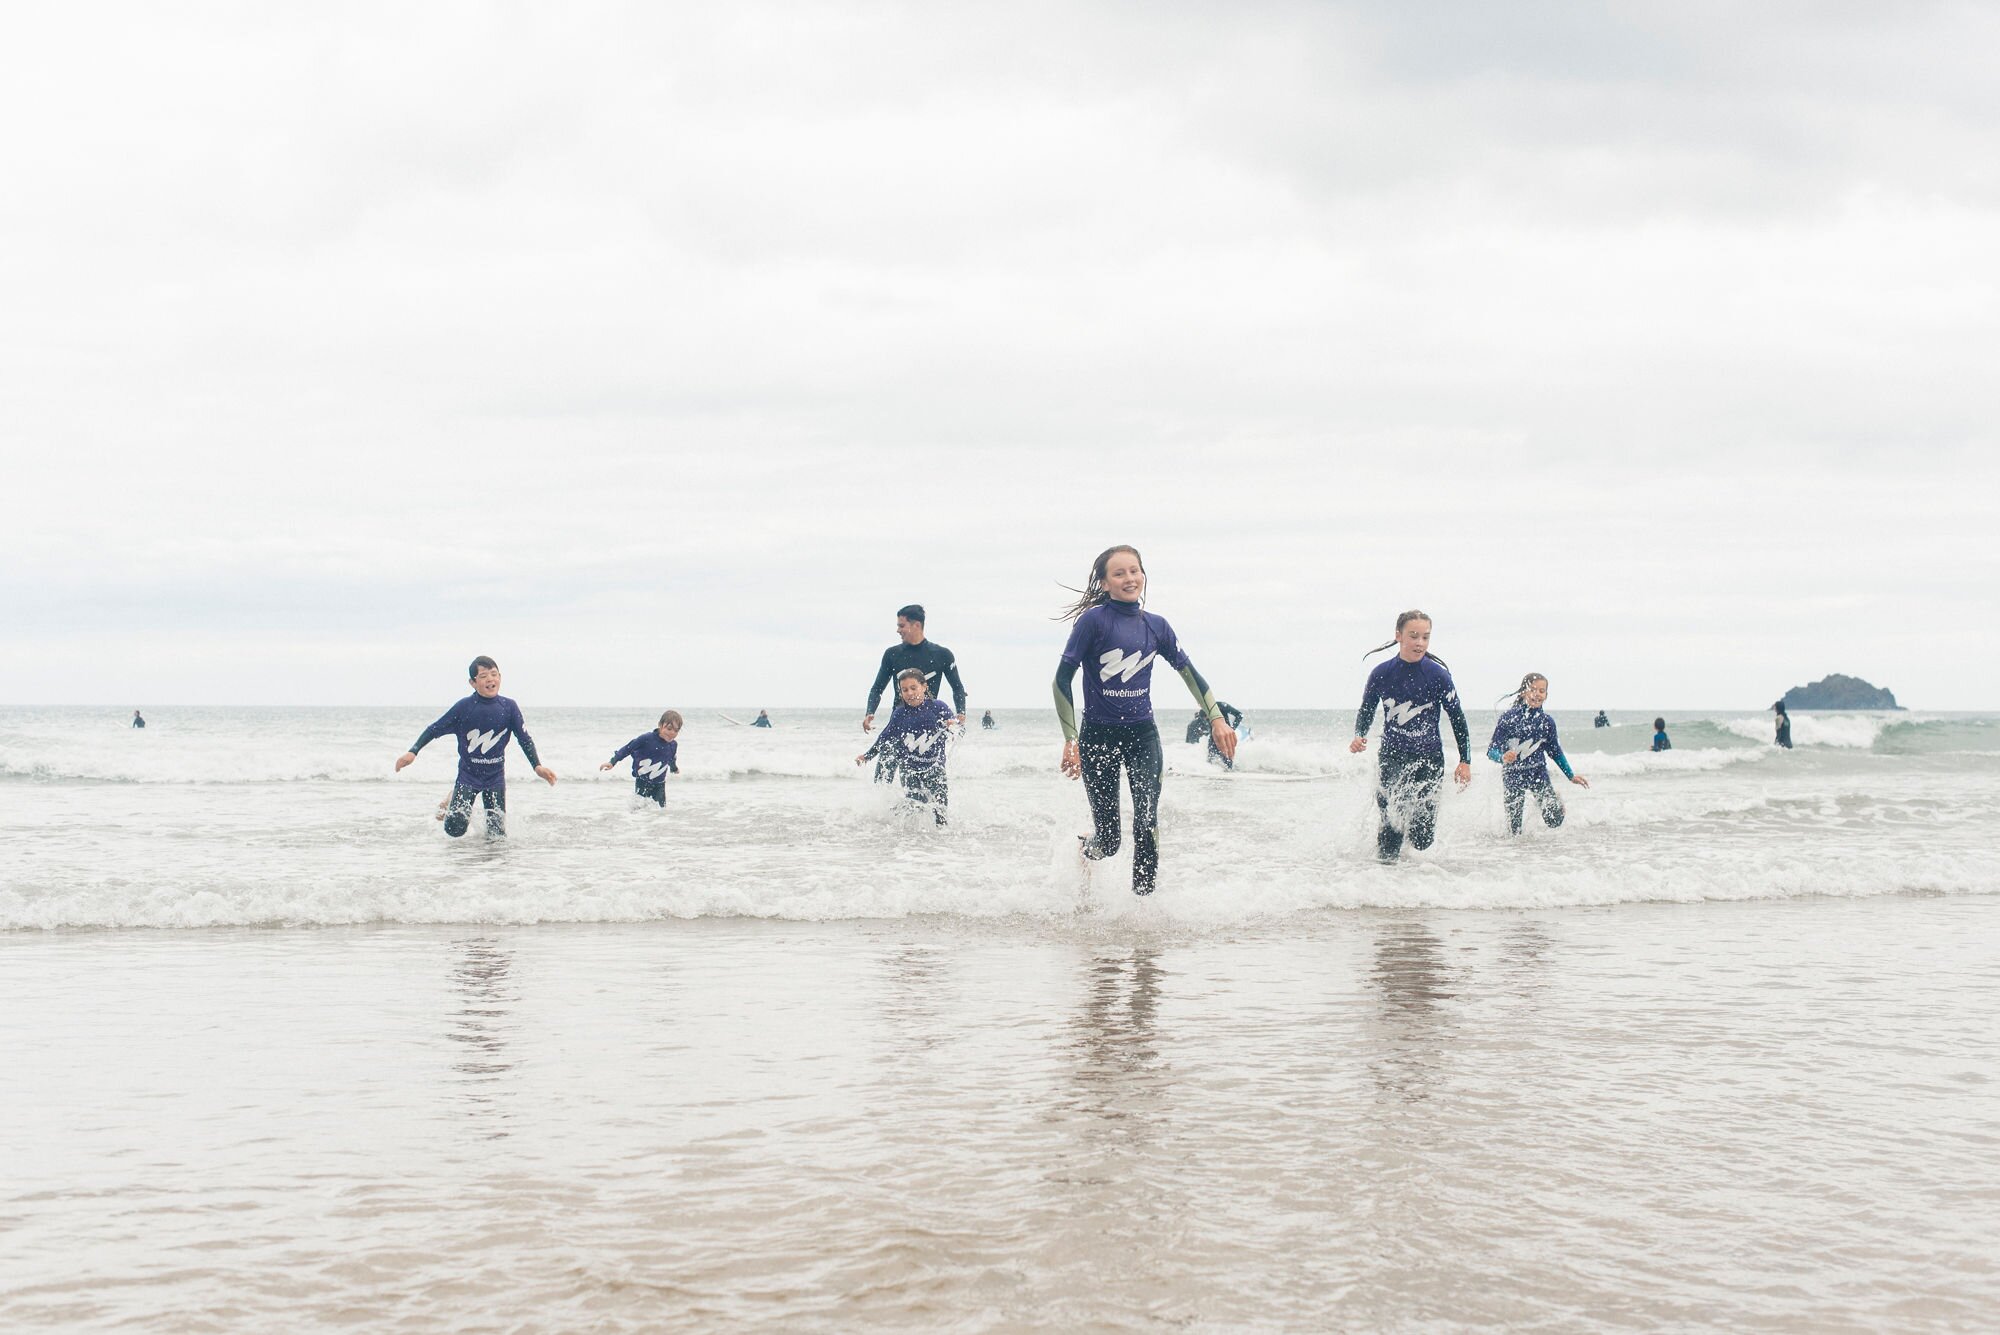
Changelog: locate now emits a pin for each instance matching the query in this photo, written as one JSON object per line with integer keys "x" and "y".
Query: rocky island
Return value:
{"x": 1840, "y": 692}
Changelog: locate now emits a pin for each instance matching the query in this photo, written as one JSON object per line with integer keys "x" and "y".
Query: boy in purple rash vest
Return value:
{"x": 655, "y": 755}
{"x": 482, "y": 722}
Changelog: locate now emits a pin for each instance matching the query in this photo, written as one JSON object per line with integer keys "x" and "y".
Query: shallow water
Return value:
{"x": 236, "y": 817}
{"x": 1774, "y": 1115}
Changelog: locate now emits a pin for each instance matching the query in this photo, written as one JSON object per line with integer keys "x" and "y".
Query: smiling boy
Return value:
{"x": 482, "y": 722}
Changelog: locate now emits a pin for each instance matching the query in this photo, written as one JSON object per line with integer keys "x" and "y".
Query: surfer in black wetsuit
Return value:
{"x": 929, "y": 657}
{"x": 763, "y": 720}
{"x": 1784, "y": 725}
{"x": 1602, "y": 720}
{"x": 1198, "y": 730}
{"x": 986, "y": 721}
{"x": 138, "y": 721}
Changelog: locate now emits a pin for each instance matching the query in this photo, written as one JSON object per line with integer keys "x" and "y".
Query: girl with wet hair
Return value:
{"x": 1524, "y": 741}
{"x": 1114, "y": 642}
{"x": 1412, "y": 688}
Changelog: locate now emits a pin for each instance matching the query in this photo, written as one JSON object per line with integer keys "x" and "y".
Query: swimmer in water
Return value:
{"x": 1115, "y": 641}
{"x": 655, "y": 755}
{"x": 1412, "y": 688}
{"x": 1524, "y": 741}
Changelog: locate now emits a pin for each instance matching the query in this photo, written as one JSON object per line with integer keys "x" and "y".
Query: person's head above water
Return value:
{"x": 910, "y": 623}
{"x": 1413, "y": 639}
{"x": 910, "y": 686}
{"x": 670, "y": 725}
{"x": 485, "y": 676}
{"x": 1532, "y": 691}
{"x": 1659, "y": 725}
{"x": 1118, "y": 575}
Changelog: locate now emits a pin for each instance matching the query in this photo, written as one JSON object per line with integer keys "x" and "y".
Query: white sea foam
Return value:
{"x": 262, "y": 817}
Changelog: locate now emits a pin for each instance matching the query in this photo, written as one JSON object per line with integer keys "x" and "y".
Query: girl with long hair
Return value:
{"x": 1413, "y": 688}
{"x": 1524, "y": 741}
{"x": 1115, "y": 641}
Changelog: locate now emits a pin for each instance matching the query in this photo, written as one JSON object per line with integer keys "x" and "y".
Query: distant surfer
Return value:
{"x": 482, "y": 723}
{"x": 1413, "y": 689}
{"x": 1783, "y": 721}
{"x": 1661, "y": 742}
{"x": 1198, "y": 731}
{"x": 986, "y": 721}
{"x": 654, "y": 756}
{"x": 1602, "y": 720}
{"x": 916, "y": 734}
{"x": 138, "y": 719}
{"x": 763, "y": 720}
{"x": 1115, "y": 641}
{"x": 1524, "y": 741}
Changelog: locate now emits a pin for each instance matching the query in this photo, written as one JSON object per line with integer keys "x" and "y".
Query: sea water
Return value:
{"x": 278, "y": 1054}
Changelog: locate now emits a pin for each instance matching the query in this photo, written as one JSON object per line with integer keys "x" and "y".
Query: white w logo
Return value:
{"x": 483, "y": 742}
{"x": 1525, "y": 749}
{"x": 1400, "y": 712}
{"x": 1115, "y": 662}
{"x": 652, "y": 769}
{"x": 919, "y": 742}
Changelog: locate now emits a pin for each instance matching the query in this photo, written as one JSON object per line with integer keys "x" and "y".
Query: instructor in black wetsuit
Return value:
{"x": 926, "y": 656}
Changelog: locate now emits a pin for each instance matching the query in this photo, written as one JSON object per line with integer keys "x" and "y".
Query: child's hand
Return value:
{"x": 605, "y": 765}
{"x": 1579, "y": 780}
{"x": 1358, "y": 745}
{"x": 546, "y": 775}
{"x": 1225, "y": 739}
{"x": 1462, "y": 776}
{"x": 407, "y": 758}
{"x": 1510, "y": 757}
{"x": 861, "y": 760}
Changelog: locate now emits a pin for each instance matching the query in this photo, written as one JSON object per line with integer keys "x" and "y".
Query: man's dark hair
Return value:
{"x": 480, "y": 662}
{"x": 913, "y": 612}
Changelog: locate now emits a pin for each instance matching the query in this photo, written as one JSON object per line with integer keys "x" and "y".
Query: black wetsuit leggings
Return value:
{"x": 1407, "y": 797}
{"x": 1546, "y": 802}
{"x": 1105, "y": 747}
{"x": 458, "y": 815}
{"x": 926, "y": 788}
{"x": 653, "y": 788}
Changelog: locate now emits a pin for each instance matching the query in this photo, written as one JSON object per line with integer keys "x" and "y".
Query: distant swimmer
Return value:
{"x": 1661, "y": 742}
{"x": 762, "y": 720}
{"x": 654, "y": 755}
{"x": 928, "y": 657}
{"x": 1524, "y": 741}
{"x": 986, "y": 721}
{"x": 1412, "y": 688}
{"x": 138, "y": 720}
{"x": 1198, "y": 731}
{"x": 915, "y": 735}
{"x": 1115, "y": 641}
{"x": 1784, "y": 724}
{"x": 482, "y": 722}
{"x": 1602, "y": 720}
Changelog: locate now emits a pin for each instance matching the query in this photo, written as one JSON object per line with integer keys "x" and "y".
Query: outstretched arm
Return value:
{"x": 1072, "y": 758}
{"x": 957, "y": 688}
{"x": 447, "y": 723}
{"x": 1370, "y": 697}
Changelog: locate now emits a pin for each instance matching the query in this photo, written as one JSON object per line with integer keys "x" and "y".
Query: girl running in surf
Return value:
{"x": 1412, "y": 689}
{"x": 914, "y": 739}
{"x": 1524, "y": 741}
{"x": 1115, "y": 641}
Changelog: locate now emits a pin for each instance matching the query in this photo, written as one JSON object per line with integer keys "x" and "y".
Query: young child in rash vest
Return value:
{"x": 1661, "y": 742}
{"x": 1412, "y": 688}
{"x": 1115, "y": 642}
{"x": 915, "y": 735}
{"x": 482, "y": 722}
{"x": 655, "y": 755}
{"x": 1524, "y": 741}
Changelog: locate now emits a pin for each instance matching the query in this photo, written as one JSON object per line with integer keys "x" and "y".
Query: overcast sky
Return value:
{"x": 662, "y": 351}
